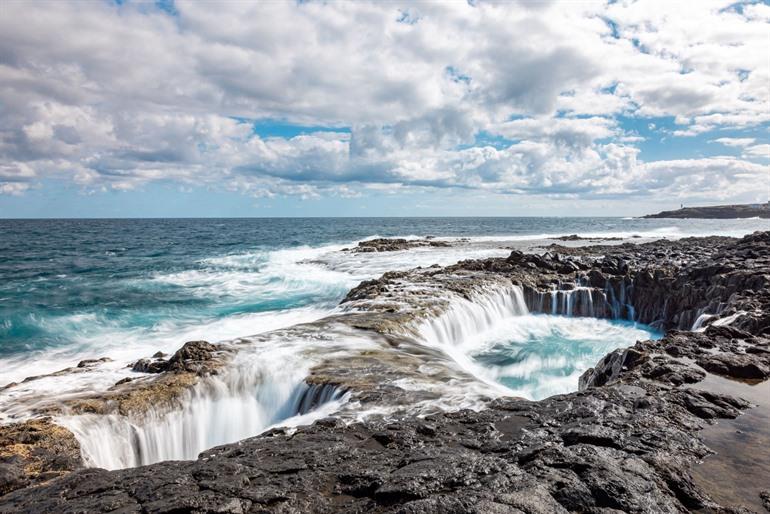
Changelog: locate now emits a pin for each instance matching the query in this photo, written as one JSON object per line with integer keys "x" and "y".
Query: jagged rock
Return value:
{"x": 736, "y": 366}
{"x": 35, "y": 451}
{"x": 195, "y": 357}
{"x": 393, "y": 245}
{"x": 150, "y": 366}
{"x": 610, "y": 367}
{"x": 765, "y": 496}
{"x": 508, "y": 456}
{"x": 92, "y": 362}
{"x": 192, "y": 357}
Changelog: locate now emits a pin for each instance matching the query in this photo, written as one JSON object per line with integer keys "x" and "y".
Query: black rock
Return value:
{"x": 150, "y": 366}
{"x": 194, "y": 356}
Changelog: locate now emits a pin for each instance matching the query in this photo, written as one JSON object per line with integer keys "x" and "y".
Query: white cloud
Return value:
{"x": 115, "y": 96}
{"x": 735, "y": 141}
{"x": 13, "y": 188}
{"x": 762, "y": 151}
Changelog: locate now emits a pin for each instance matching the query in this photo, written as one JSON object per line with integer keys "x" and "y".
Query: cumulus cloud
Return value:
{"x": 515, "y": 97}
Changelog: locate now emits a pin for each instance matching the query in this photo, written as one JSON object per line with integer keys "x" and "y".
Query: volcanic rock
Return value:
{"x": 393, "y": 245}
{"x": 35, "y": 451}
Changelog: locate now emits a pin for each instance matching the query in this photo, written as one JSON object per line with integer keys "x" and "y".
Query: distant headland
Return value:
{"x": 751, "y": 210}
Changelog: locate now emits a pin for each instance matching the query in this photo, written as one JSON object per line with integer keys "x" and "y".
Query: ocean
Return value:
{"x": 73, "y": 289}
{"x": 125, "y": 289}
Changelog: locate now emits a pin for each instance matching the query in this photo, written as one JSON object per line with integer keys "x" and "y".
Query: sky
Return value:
{"x": 181, "y": 108}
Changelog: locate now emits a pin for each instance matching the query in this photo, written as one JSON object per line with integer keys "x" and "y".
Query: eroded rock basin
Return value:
{"x": 537, "y": 355}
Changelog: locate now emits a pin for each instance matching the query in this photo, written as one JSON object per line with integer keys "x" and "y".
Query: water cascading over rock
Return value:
{"x": 464, "y": 317}
{"x": 239, "y": 403}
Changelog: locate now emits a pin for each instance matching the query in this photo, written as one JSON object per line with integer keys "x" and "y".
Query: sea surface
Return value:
{"x": 125, "y": 288}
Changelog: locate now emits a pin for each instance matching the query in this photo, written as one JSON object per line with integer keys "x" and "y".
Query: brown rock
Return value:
{"x": 35, "y": 451}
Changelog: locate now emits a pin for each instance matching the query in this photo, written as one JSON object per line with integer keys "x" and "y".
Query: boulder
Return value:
{"x": 35, "y": 451}
{"x": 194, "y": 356}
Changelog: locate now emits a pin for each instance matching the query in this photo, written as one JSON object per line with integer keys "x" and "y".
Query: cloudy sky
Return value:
{"x": 185, "y": 108}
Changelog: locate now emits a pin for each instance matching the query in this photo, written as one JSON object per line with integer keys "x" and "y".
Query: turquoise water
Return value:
{"x": 91, "y": 288}
{"x": 539, "y": 355}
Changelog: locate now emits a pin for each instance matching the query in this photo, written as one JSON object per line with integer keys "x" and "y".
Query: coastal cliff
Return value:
{"x": 718, "y": 212}
{"x": 629, "y": 440}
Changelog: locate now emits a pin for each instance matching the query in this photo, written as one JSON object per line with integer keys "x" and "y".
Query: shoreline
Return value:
{"x": 640, "y": 389}
{"x": 742, "y": 211}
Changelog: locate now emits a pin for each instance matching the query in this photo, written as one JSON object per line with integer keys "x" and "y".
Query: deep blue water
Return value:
{"x": 86, "y": 283}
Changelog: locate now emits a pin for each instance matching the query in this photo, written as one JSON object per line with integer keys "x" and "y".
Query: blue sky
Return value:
{"x": 130, "y": 109}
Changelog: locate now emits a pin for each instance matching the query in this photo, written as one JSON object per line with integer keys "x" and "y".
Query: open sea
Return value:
{"x": 125, "y": 288}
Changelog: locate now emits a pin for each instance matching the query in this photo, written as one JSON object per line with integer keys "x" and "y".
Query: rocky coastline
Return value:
{"x": 718, "y": 212}
{"x": 627, "y": 441}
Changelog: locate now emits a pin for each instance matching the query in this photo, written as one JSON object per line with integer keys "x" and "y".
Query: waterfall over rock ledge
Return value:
{"x": 239, "y": 403}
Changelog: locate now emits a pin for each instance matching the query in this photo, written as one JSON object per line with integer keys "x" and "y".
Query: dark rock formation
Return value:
{"x": 626, "y": 446}
{"x": 150, "y": 366}
{"x": 761, "y": 210}
{"x": 92, "y": 362}
{"x": 393, "y": 245}
{"x": 194, "y": 357}
{"x": 575, "y": 237}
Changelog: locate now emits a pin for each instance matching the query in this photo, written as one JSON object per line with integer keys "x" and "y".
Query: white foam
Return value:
{"x": 124, "y": 345}
{"x": 279, "y": 274}
{"x": 262, "y": 387}
{"x": 241, "y": 403}
{"x": 698, "y": 325}
{"x": 727, "y": 320}
{"x": 365, "y": 265}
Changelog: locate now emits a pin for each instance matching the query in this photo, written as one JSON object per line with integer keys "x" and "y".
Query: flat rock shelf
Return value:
{"x": 634, "y": 438}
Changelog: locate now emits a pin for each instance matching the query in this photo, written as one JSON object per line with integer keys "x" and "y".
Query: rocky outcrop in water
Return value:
{"x": 38, "y": 449}
{"x": 394, "y": 245}
{"x": 627, "y": 441}
{"x": 197, "y": 357}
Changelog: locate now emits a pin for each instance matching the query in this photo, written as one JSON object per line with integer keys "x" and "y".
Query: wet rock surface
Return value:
{"x": 396, "y": 244}
{"x": 36, "y": 450}
{"x": 194, "y": 357}
{"x": 626, "y": 442}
